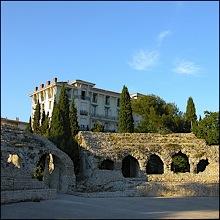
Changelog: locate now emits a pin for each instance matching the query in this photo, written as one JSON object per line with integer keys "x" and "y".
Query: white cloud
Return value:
{"x": 162, "y": 35}
{"x": 186, "y": 67}
{"x": 144, "y": 60}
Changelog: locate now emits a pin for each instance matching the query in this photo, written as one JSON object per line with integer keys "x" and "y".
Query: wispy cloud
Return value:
{"x": 144, "y": 60}
{"x": 162, "y": 35}
{"x": 186, "y": 67}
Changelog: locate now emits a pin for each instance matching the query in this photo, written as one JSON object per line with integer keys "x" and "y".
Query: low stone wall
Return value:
{"x": 178, "y": 189}
{"x": 21, "y": 184}
{"x": 27, "y": 195}
{"x": 162, "y": 189}
{"x": 203, "y": 177}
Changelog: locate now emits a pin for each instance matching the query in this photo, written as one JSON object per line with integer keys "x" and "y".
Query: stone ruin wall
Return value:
{"x": 26, "y": 149}
{"x": 97, "y": 147}
{"x": 20, "y": 153}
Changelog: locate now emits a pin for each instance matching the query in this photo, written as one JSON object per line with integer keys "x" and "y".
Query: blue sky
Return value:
{"x": 170, "y": 49}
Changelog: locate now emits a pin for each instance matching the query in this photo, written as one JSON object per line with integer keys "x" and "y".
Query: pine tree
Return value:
{"x": 36, "y": 119}
{"x": 28, "y": 127}
{"x": 126, "y": 121}
{"x": 73, "y": 119}
{"x": 190, "y": 112}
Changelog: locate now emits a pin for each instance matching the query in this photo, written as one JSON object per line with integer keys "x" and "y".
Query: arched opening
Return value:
{"x": 154, "y": 165}
{"x": 107, "y": 165}
{"x": 44, "y": 165}
{"x": 201, "y": 166}
{"x": 180, "y": 163}
{"x": 51, "y": 170}
{"x": 15, "y": 160}
{"x": 130, "y": 166}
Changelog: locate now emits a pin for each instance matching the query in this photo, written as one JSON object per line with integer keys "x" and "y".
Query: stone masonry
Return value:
{"x": 98, "y": 147}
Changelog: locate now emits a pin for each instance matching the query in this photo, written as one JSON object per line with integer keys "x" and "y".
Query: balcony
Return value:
{"x": 83, "y": 112}
{"x": 87, "y": 98}
{"x": 103, "y": 117}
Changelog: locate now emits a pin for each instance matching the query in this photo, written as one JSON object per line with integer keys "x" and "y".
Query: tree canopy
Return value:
{"x": 208, "y": 128}
{"x": 157, "y": 115}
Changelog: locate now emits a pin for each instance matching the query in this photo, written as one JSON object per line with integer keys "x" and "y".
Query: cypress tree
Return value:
{"x": 64, "y": 111}
{"x": 36, "y": 119}
{"x": 44, "y": 124}
{"x": 56, "y": 127}
{"x": 43, "y": 117}
{"x": 60, "y": 130}
{"x": 73, "y": 119}
{"x": 28, "y": 127}
{"x": 126, "y": 121}
{"x": 190, "y": 112}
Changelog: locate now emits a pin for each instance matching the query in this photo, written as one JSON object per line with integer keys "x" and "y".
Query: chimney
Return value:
{"x": 41, "y": 86}
{"x": 48, "y": 83}
{"x": 17, "y": 119}
{"x": 55, "y": 79}
{"x": 36, "y": 88}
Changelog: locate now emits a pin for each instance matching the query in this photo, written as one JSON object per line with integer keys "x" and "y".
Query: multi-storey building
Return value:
{"x": 93, "y": 104}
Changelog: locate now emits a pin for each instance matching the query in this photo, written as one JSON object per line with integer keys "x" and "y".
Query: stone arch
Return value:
{"x": 58, "y": 173}
{"x": 180, "y": 163}
{"x": 130, "y": 166}
{"x": 154, "y": 165}
{"x": 201, "y": 166}
{"x": 106, "y": 164}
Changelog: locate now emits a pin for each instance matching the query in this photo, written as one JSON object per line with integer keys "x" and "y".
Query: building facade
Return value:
{"x": 93, "y": 105}
{"x": 15, "y": 123}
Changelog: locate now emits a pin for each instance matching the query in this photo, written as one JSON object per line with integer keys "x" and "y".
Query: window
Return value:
{"x": 106, "y": 111}
{"x": 49, "y": 93}
{"x": 35, "y": 99}
{"x": 42, "y": 96}
{"x": 118, "y": 102}
{"x": 83, "y": 95}
{"x": 93, "y": 110}
{"x": 49, "y": 104}
{"x": 107, "y": 100}
{"x": 94, "y": 97}
{"x": 69, "y": 93}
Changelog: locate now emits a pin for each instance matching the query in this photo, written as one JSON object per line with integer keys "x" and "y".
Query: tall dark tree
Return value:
{"x": 43, "y": 117}
{"x": 190, "y": 112}
{"x": 125, "y": 121}
{"x": 56, "y": 127}
{"x": 65, "y": 111}
{"x": 60, "y": 130}
{"x": 36, "y": 119}
{"x": 28, "y": 127}
{"x": 44, "y": 128}
{"x": 73, "y": 119}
